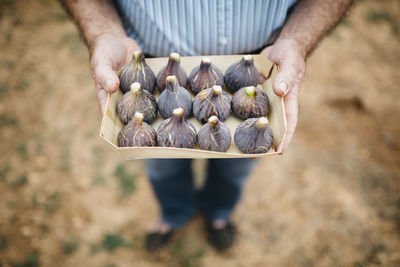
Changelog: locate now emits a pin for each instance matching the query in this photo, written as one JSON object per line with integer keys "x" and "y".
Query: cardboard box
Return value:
{"x": 111, "y": 125}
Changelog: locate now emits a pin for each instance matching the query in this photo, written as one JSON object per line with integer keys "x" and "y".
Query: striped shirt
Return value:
{"x": 202, "y": 27}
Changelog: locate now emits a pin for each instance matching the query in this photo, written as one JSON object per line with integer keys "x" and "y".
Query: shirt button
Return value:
{"x": 224, "y": 41}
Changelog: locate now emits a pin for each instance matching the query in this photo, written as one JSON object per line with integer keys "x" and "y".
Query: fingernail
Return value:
{"x": 279, "y": 149}
{"x": 109, "y": 83}
{"x": 283, "y": 87}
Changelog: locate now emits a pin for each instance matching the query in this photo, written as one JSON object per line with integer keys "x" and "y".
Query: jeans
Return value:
{"x": 172, "y": 181}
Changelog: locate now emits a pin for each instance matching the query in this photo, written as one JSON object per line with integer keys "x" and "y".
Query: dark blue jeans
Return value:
{"x": 172, "y": 181}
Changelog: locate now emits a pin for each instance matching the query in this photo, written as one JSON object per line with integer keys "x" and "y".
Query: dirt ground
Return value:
{"x": 333, "y": 199}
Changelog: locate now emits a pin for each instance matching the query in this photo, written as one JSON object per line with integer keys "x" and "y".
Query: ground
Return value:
{"x": 333, "y": 199}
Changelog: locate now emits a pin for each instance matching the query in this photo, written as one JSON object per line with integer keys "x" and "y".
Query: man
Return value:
{"x": 113, "y": 30}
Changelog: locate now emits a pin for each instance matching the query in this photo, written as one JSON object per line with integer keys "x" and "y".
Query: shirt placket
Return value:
{"x": 224, "y": 8}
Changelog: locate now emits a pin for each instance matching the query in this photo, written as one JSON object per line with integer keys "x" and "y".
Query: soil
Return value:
{"x": 331, "y": 200}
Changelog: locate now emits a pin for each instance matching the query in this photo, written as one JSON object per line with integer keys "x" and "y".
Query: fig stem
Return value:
{"x": 178, "y": 112}
{"x": 175, "y": 57}
{"x": 205, "y": 62}
{"x": 248, "y": 59}
{"x": 178, "y": 116}
{"x": 171, "y": 79}
{"x": 138, "y": 117}
{"x": 217, "y": 90}
{"x": 136, "y": 88}
{"x": 213, "y": 121}
{"x": 137, "y": 55}
{"x": 170, "y": 83}
{"x": 262, "y": 123}
{"x": 250, "y": 91}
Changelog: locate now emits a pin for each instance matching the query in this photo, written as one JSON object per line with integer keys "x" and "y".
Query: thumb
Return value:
{"x": 105, "y": 76}
{"x": 267, "y": 51}
{"x": 285, "y": 79}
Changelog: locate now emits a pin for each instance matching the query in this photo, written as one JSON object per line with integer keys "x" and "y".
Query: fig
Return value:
{"x": 177, "y": 131}
{"x": 137, "y": 100}
{"x": 205, "y": 76}
{"x": 211, "y": 101}
{"x": 137, "y": 71}
{"x": 174, "y": 96}
{"x": 250, "y": 102}
{"x": 137, "y": 133}
{"x": 214, "y": 136}
{"x": 173, "y": 67}
{"x": 254, "y": 136}
{"x": 241, "y": 73}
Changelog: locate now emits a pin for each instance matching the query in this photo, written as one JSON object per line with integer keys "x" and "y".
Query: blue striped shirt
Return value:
{"x": 202, "y": 27}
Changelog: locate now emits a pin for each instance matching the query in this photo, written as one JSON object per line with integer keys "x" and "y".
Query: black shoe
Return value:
{"x": 222, "y": 238}
{"x": 155, "y": 240}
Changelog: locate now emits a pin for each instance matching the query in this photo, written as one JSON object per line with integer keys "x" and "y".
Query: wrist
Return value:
{"x": 293, "y": 44}
{"x": 95, "y": 19}
{"x": 94, "y": 40}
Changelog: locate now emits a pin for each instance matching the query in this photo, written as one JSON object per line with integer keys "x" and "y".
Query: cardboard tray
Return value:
{"x": 111, "y": 125}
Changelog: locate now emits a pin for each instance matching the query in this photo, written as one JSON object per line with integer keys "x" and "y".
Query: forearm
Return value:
{"x": 311, "y": 20}
{"x": 94, "y": 19}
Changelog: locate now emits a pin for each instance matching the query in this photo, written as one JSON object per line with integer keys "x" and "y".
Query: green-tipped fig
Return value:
{"x": 250, "y": 102}
{"x": 137, "y": 100}
{"x": 137, "y": 133}
{"x": 205, "y": 76}
{"x": 214, "y": 136}
{"x": 174, "y": 97}
{"x": 241, "y": 73}
{"x": 173, "y": 68}
{"x": 177, "y": 131}
{"x": 212, "y": 101}
{"x": 137, "y": 71}
{"x": 254, "y": 136}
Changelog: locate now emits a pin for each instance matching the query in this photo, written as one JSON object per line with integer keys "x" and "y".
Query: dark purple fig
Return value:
{"x": 240, "y": 74}
{"x": 137, "y": 100}
{"x": 174, "y": 97}
{"x": 137, "y": 71}
{"x": 211, "y": 101}
{"x": 173, "y": 68}
{"x": 137, "y": 133}
{"x": 254, "y": 136}
{"x": 177, "y": 131}
{"x": 250, "y": 102}
{"x": 214, "y": 136}
{"x": 205, "y": 76}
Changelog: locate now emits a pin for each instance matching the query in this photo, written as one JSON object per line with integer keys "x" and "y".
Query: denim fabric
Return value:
{"x": 172, "y": 181}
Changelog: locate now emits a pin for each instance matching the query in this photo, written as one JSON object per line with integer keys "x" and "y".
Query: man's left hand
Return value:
{"x": 291, "y": 60}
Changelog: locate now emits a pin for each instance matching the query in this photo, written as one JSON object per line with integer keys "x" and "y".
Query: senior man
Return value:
{"x": 284, "y": 31}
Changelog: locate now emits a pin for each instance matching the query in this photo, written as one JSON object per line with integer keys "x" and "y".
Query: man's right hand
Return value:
{"x": 108, "y": 54}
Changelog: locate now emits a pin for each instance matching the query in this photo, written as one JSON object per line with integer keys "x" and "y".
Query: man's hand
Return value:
{"x": 291, "y": 60}
{"x": 109, "y": 47}
{"x": 309, "y": 21}
{"x": 109, "y": 53}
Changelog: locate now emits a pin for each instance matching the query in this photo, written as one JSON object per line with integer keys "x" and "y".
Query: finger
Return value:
{"x": 282, "y": 82}
{"x": 278, "y": 148}
{"x": 286, "y": 78}
{"x": 265, "y": 52}
{"x": 105, "y": 76}
{"x": 261, "y": 79}
{"x": 292, "y": 110}
{"x": 102, "y": 97}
